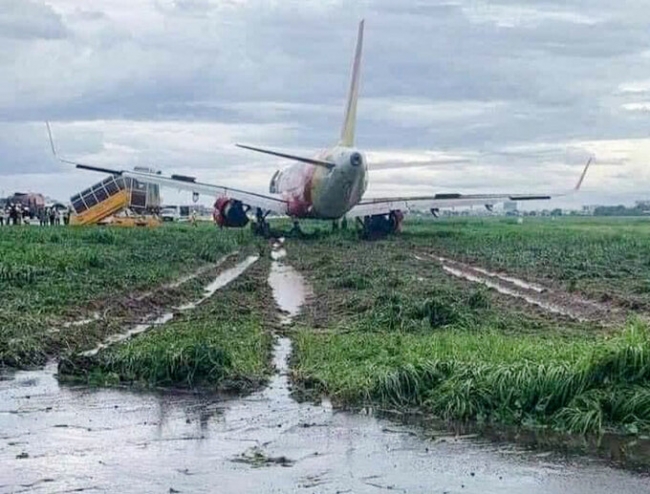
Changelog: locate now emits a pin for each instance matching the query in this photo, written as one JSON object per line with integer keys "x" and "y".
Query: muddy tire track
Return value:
{"x": 224, "y": 277}
{"x": 547, "y": 299}
{"x": 84, "y": 327}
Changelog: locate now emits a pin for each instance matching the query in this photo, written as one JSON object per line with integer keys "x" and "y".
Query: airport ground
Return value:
{"x": 503, "y": 329}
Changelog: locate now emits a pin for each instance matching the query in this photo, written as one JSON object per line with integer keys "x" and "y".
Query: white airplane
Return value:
{"x": 328, "y": 186}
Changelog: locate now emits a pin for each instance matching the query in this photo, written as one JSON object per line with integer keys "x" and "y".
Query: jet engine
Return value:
{"x": 230, "y": 213}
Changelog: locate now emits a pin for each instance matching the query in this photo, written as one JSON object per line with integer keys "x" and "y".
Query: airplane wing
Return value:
{"x": 385, "y": 205}
{"x": 182, "y": 182}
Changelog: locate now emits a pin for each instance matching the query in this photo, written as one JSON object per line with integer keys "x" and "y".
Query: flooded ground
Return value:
{"x": 64, "y": 439}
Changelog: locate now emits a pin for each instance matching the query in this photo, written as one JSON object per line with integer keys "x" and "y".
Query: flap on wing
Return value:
{"x": 385, "y": 205}
{"x": 252, "y": 199}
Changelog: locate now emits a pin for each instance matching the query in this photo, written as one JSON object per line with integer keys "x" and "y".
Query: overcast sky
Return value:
{"x": 506, "y": 96}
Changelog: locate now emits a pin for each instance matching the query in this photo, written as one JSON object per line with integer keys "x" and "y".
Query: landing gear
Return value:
{"x": 380, "y": 225}
{"x": 295, "y": 230}
{"x": 260, "y": 226}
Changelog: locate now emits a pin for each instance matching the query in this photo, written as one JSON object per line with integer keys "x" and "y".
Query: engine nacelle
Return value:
{"x": 230, "y": 213}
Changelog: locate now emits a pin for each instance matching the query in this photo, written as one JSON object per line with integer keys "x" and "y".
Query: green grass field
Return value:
{"x": 604, "y": 258}
{"x": 384, "y": 327}
{"x": 225, "y": 343}
{"x": 389, "y": 330}
{"x": 52, "y": 275}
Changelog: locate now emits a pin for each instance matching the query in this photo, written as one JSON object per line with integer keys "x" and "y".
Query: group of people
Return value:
{"x": 13, "y": 214}
{"x": 16, "y": 214}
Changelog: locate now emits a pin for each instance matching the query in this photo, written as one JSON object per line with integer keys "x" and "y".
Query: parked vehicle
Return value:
{"x": 170, "y": 213}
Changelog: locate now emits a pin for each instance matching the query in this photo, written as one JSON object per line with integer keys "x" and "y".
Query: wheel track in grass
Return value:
{"x": 548, "y": 299}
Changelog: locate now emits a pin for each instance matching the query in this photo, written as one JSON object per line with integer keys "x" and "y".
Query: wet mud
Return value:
{"x": 152, "y": 321}
{"x": 144, "y": 302}
{"x": 57, "y": 439}
{"x": 550, "y": 300}
{"x": 63, "y": 439}
{"x": 111, "y": 320}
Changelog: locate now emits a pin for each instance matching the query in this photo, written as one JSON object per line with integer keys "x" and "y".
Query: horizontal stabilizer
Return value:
{"x": 327, "y": 164}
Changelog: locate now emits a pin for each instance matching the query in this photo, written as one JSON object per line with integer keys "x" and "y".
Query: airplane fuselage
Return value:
{"x": 317, "y": 192}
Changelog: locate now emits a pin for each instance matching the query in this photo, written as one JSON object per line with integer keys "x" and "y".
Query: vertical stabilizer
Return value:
{"x": 347, "y": 132}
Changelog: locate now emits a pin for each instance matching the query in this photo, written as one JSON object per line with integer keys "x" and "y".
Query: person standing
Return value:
{"x": 2, "y": 216}
{"x": 13, "y": 214}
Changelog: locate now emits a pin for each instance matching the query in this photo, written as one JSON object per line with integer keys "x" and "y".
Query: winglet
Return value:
{"x": 349, "y": 122}
{"x": 582, "y": 176}
{"x": 78, "y": 165}
{"x": 49, "y": 133}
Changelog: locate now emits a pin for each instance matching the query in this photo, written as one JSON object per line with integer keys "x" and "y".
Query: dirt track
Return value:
{"x": 545, "y": 298}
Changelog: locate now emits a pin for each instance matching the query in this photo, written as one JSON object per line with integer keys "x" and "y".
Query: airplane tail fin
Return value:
{"x": 347, "y": 132}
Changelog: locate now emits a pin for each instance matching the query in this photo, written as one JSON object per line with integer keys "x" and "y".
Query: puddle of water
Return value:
{"x": 278, "y": 254}
{"x": 223, "y": 279}
{"x": 289, "y": 290}
{"x": 96, "y": 316}
{"x": 289, "y": 287}
{"x": 54, "y": 439}
{"x": 228, "y": 276}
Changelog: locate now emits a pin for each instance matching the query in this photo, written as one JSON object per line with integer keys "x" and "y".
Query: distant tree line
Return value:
{"x": 621, "y": 210}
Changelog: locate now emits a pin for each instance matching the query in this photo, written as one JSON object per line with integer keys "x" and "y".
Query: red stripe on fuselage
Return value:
{"x": 299, "y": 198}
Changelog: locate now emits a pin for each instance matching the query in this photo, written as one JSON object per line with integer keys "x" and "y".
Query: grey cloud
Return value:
{"x": 29, "y": 19}
{"x": 476, "y": 84}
